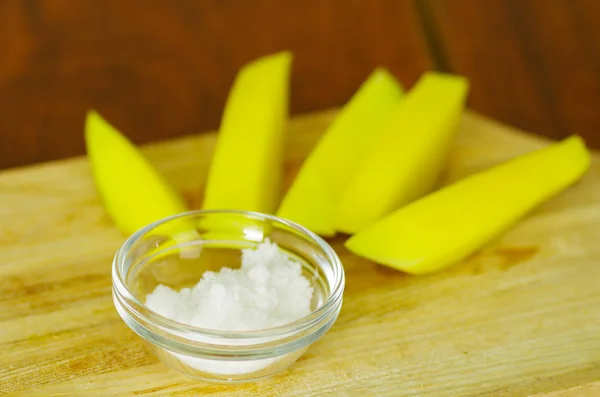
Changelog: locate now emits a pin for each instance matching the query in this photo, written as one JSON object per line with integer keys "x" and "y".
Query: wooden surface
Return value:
{"x": 520, "y": 318}
{"x": 161, "y": 68}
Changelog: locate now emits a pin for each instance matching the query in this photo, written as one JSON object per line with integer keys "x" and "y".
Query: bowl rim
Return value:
{"x": 331, "y": 303}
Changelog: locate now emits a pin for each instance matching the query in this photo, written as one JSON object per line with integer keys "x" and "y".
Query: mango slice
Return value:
{"x": 313, "y": 198}
{"x": 133, "y": 191}
{"x": 245, "y": 171}
{"x": 406, "y": 160}
{"x": 450, "y": 224}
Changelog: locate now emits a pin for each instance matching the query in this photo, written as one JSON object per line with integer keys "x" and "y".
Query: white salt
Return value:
{"x": 268, "y": 290}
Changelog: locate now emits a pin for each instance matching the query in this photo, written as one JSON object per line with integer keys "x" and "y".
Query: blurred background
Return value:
{"x": 158, "y": 69}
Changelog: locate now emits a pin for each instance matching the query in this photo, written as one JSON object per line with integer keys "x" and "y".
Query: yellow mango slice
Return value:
{"x": 450, "y": 224}
{"x": 133, "y": 191}
{"x": 245, "y": 171}
{"x": 313, "y": 198}
{"x": 406, "y": 160}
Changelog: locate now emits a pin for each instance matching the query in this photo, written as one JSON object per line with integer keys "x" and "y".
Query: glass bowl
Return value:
{"x": 176, "y": 251}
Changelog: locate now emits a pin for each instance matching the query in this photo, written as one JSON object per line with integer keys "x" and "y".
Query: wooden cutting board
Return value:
{"x": 520, "y": 318}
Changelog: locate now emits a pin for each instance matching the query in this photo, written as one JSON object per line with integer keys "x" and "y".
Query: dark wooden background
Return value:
{"x": 162, "y": 68}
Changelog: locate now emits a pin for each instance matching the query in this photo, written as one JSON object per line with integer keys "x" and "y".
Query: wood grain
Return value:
{"x": 560, "y": 56}
{"x": 478, "y": 40}
{"x": 532, "y": 63}
{"x": 159, "y": 69}
{"x": 522, "y": 317}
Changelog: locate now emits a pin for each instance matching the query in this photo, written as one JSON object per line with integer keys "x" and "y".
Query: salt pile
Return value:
{"x": 268, "y": 290}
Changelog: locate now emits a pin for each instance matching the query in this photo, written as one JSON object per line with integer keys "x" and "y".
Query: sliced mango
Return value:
{"x": 450, "y": 224}
{"x": 406, "y": 160}
{"x": 313, "y": 198}
{"x": 133, "y": 191}
{"x": 245, "y": 171}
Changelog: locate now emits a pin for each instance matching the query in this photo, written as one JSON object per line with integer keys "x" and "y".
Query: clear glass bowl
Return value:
{"x": 176, "y": 252}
